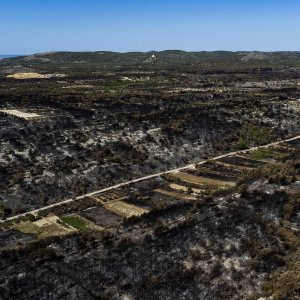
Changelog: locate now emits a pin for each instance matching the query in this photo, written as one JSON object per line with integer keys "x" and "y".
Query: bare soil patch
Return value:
{"x": 33, "y": 75}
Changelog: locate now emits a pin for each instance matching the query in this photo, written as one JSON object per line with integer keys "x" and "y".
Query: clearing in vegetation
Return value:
{"x": 27, "y": 76}
{"x": 50, "y": 219}
{"x": 20, "y": 114}
{"x": 33, "y": 75}
{"x": 54, "y": 230}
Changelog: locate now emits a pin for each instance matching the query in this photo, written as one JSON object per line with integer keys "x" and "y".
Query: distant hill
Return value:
{"x": 170, "y": 56}
{"x": 154, "y": 60}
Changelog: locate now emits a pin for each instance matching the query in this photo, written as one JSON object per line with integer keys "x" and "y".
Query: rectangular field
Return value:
{"x": 176, "y": 195}
{"x": 209, "y": 174}
{"x": 240, "y": 162}
{"x": 184, "y": 188}
{"x": 213, "y": 167}
{"x": 264, "y": 154}
{"x": 125, "y": 209}
{"x": 109, "y": 196}
{"x": 101, "y": 216}
{"x": 200, "y": 180}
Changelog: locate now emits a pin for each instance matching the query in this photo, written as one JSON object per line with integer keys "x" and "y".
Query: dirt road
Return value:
{"x": 146, "y": 178}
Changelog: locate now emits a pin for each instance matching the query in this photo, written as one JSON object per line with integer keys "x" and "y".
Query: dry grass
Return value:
{"x": 125, "y": 209}
{"x": 28, "y": 227}
{"x": 27, "y": 76}
{"x": 34, "y": 75}
{"x": 51, "y": 219}
{"x": 54, "y": 230}
{"x": 44, "y": 228}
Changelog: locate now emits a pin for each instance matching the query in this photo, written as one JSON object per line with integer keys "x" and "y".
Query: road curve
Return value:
{"x": 145, "y": 178}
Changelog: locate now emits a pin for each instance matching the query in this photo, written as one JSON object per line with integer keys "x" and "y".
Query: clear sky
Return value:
{"x": 31, "y": 26}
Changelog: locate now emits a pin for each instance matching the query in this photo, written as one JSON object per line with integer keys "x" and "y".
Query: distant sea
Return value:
{"x": 7, "y": 56}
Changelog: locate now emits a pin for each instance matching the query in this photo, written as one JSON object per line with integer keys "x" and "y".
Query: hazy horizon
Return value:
{"x": 150, "y": 51}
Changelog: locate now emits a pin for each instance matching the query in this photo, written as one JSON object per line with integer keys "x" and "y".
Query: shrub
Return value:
{"x": 42, "y": 213}
{"x": 30, "y": 217}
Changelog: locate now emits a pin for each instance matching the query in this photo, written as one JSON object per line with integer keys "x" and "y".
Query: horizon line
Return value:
{"x": 148, "y": 51}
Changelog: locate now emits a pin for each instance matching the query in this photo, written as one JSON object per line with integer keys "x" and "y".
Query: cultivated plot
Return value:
{"x": 240, "y": 162}
{"x": 176, "y": 195}
{"x": 200, "y": 180}
{"x": 125, "y": 209}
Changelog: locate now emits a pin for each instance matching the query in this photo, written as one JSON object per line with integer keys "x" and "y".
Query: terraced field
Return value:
{"x": 201, "y": 180}
{"x": 176, "y": 195}
{"x": 212, "y": 198}
{"x": 109, "y": 209}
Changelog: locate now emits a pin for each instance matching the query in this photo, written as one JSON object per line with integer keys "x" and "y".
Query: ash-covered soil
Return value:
{"x": 114, "y": 117}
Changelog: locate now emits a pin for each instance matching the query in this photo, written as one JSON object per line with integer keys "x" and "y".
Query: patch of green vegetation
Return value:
{"x": 251, "y": 135}
{"x": 282, "y": 174}
{"x": 30, "y": 217}
{"x": 75, "y": 222}
{"x": 285, "y": 283}
{"x": 265, "y": 153}
{"x": 42, "y": 213}
{"x": 28, "y": 227}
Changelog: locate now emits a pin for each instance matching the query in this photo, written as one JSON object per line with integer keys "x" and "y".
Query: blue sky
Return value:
{"x": 31, "y": 26}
